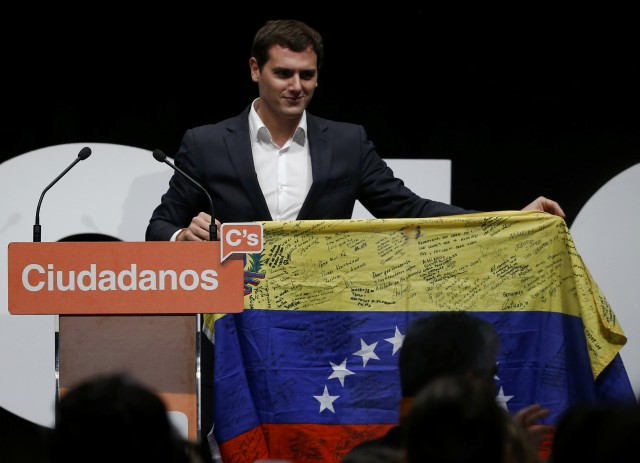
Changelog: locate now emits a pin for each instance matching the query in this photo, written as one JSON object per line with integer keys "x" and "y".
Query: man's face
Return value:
{"x": 286, "y": 82}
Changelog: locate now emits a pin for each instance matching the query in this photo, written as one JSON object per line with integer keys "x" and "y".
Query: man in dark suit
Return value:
{"x": 276, "y": 161}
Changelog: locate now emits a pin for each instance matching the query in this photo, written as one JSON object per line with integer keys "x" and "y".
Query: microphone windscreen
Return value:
{"x": 159, "y": 155}
{"x": 84, "y": 153}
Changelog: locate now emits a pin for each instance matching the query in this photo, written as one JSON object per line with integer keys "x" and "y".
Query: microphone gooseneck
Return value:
{"x": 37, "y": 230}
{"x": 161, "y": 157}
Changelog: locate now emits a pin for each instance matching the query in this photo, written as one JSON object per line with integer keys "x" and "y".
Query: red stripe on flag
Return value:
{"x": 299, "y": 443}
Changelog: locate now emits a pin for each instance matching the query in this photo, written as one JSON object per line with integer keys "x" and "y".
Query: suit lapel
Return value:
{"x": 320, "y": 152}
{"x": 238, "y": 143}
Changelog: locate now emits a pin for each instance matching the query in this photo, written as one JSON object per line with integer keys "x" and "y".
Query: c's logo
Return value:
{"x": 240, "y": 238}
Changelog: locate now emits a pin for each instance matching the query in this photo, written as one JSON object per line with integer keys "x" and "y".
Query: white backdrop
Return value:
{"x": 114, "y": 191}
{"x": 606, "y": 232}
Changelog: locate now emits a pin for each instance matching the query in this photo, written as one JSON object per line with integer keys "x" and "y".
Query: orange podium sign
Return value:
{"x": 155, "y": 277}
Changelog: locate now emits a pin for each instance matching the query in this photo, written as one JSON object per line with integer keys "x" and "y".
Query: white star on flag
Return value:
{"x": 367, "y": 352}
{"x": 326, "y": 400}
{"x": 396, "y": 340}
{"x": 340, "y": 371}
{"x": 503, "y": 399}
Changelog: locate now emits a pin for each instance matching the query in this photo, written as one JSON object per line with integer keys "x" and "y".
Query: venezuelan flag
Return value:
{"x": 309, "y": 369}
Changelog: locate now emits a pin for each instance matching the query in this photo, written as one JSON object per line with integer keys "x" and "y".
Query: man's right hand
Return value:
{"x": 198, "y": 229}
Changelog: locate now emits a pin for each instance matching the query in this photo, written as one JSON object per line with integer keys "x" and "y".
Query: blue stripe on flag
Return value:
{"x": 279, "y": 367}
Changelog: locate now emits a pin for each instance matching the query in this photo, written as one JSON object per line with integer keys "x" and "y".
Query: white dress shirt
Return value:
{"x": 284, "y": 173}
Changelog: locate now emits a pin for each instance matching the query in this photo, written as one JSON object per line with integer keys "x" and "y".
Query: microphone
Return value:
{"x": 161, "y": 157}
{"x": 82, "y": 155}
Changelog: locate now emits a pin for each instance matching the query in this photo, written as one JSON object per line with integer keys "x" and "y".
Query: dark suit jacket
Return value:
{"x": 345, "y": 168}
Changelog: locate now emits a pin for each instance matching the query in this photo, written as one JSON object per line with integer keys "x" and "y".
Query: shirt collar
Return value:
{"x": 259, "y": 132}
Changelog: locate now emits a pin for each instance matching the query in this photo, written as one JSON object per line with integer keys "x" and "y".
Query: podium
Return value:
{"x": 161, "y": 352}
{"x": 128, "y": 307}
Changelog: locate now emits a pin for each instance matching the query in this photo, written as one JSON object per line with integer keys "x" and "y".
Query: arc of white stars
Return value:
{"x": 340, "y": 371}
{"x": 326, "y": 400}
{"x": 367, "y": 352}
{"x": 396, "y": 341}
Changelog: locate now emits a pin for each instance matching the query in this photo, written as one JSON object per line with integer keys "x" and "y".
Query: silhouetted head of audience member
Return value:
{"x": 373, "y": 455}
{"x": 591, "y": 432}
{"x": 22, "y": 440}
{"x": 465, "y": 346}
{"x": 451, "y": 343}
{"x": 455, "y": 419}
{"x": 114, "y": 419}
